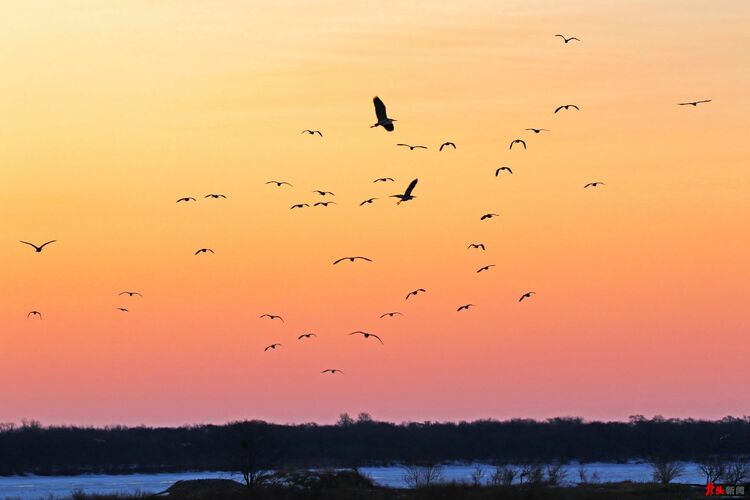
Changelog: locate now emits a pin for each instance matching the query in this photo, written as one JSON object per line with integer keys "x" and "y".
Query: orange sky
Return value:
{"x": 112, "y": 112}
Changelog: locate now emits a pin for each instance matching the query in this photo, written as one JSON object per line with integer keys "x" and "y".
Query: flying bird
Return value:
{"x": 332, "y": 371}
{"x": 566, "y": 107}
{"x": 476, "y": 245}
{"x": 526, "y": 295}
{"x": 383, "y": 179}
{"x": 411, "y": 148}
{"x": 312, "y": 132}
{"x": 272, "y": 346}
{"x": 367, "y": 201}
{"x": 203, "y": 250}
{"x": 507, "y": 169}
{"x": 593, "y": 184}
{"x": 485, "y": 268}
{"x": 465, "y": 307}
{"x": 351, "y": 259}
{"x": 38, "y": 248}
{"x": 214, "y": 196}
{"x": 415, "y": 292}
{"x": 306, "y": 336}
{"x": 122, "y": 309}
{"x": 391, "y": 314}
{"x": 380, "y": 113}
{"x": 323, "y": 203}
{"x": 407, "y": 194}
{"x": 693, "y": 103}
{"x": 323, "y": 193}
{"x": 130, "y": 294}
{"x": 366, "y": 335}
{"x": 537, "y": 130}
{"x": 34, "y": 313}
{"x": 271, "y": 316}
{"x": 445, "y": 144}
{"x": 566, "y": 40}
{"x": 186, "y": 198}
{"x": 279, "y": 183}
{"x": 517, "y": 141}
{"x": 299, "y": 205}
{"x": 488, "y": 216}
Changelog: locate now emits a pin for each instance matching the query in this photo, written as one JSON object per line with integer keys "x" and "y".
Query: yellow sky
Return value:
{"x": 113, "y": 110}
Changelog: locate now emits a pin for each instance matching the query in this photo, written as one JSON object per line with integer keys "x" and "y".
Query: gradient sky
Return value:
{"x": 113, "y": 110}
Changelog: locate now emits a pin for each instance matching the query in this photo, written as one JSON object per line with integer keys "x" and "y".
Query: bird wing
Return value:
{"x": 574, "y": 106}
{"x": 410, "y": 188}
{"x": 379, "y": 109}
{"x": 401, "y": 144}
{"x": 364, "y": 258}
{"x": 339, "y": 260}
{"x": 522, "y": 142}
{"x": 559, "y": 108}
{"x": 377, "y": 338}
{"x": 573, "y": 38}
{"x": 561, "y": 36}
{"x": 319, "y": 133}
{"x": 30, "y": 244}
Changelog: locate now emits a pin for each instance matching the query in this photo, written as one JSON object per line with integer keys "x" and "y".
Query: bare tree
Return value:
{"x": 250, "y": 468}
{"x": 665, "y": 471}
{"x": 476, "y": 475}
{"x": 419, "y": 476}
{"x": 737, "y": 472}
{"x": 556, "y": 474}
{"x": 503, "y": 475}
{"x": 532, "y": 474}
{"x": 713, "y": 468}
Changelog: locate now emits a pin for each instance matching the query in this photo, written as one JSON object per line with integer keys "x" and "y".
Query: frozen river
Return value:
{"x": 35, "y": 487}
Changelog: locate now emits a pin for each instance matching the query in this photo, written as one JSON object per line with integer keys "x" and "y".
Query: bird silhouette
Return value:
{"x": 526, "y": 295}
{"x": 485, "y": 268}
{"x": 299, "y": 205}
{"x": 383, "y": 179}
{"x": 507, "y": 169}
{"x": 279, "y": 183}
{"x": 415, "y": 292}
{"x": 272, "y": 346}
{"x": 411, "y": 148}
{"x": 323, "y": 203}
{"x": 593, "y": 184}
{"x": 332, "y": 371}
{"x": 34, "y": 313}
{"x": 367, "y": 201}
{"x": 130, "y": 294}
{"x": 323, "y": 193}
{"x": 566, "y": 107}
{"x": 382, "y": 116}
{"x": 312, "y": 132}
{"x": 38, "y": 249}
{"x": 693, "y": 103}
{"x": 488, "y": 216}
{"x": 366, "y": 335}
{"x": 465, "y": 307}
{"x": 537, "y": 130}
{"x": 306, "y": 336}
{"x": 566, "y": 40}
{"x": 407, "y": 194}
{"x": 445, "y": 144}
{"x": 517, "y": 141}
{"x": 186, "y": 198}
{"x": 351, "y": 259}
{"x": 476, "y": 245}
{"x": 391, "y": 314}
{"x": 122, "y": 309}
{"x": 271, "y": 316}
{"x": 203, "y": 250}
{"x": 214, "y": 196}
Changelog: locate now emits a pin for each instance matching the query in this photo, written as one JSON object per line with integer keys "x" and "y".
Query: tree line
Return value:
{"x": 256, "y": 445}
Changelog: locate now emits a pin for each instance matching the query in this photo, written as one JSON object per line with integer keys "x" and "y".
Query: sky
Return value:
{"x": 113, "y": 110}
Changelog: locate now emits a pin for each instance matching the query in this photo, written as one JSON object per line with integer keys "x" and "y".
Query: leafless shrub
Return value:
{"x": 713, "y": 469}
{"x": 419, "y": 476}
{"x": 476, "y": 475}
{"x": 665, "y": 471}
{"x": 737, "y": 472}
{"x": 556, "y": 474}
{"x": 503, "y": 475}
{"x": 532, "y": 474}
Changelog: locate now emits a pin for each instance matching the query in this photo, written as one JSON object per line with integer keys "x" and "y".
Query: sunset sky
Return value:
{"x": 111, "y": 110}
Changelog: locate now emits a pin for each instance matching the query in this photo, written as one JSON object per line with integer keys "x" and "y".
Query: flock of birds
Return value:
{"x": 387, "y": 123}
